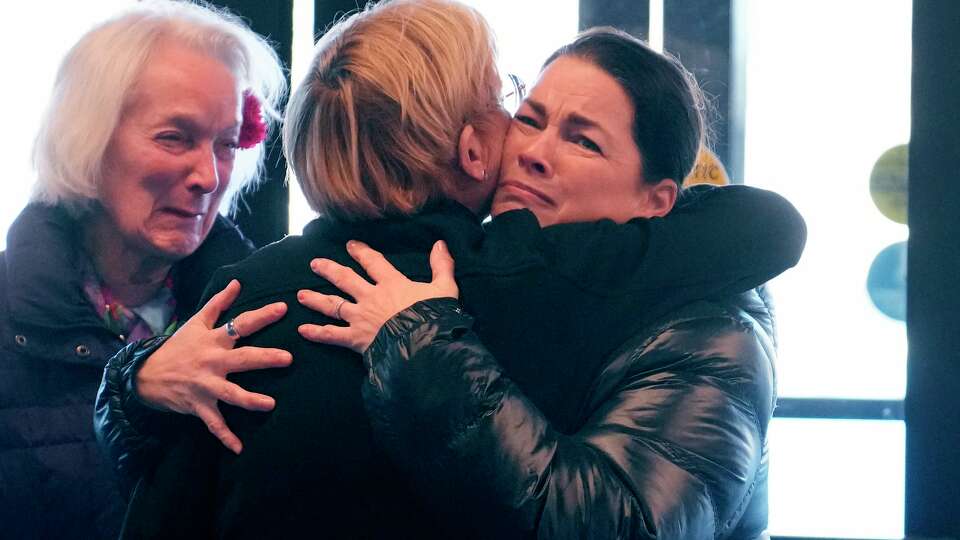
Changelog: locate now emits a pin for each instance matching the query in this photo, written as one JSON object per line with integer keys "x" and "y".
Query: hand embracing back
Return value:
{"x": 373, "y": 303}
{"x": 188, "y": 373}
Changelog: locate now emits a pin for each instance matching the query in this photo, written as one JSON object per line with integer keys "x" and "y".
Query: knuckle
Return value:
{"x": 228, "y": 394}
{"x": 254, "y": 316}
{"x": 215, "y": 425}
{"x": 198, "y": 389}
{"x": 205, "y": 364}
{"x": 338, "y": 275}
{"x": 250, "y": 359}
{"x": 331, "y": 274}
{"x": 239, "y": 324}
{"x": 241, "y": 360}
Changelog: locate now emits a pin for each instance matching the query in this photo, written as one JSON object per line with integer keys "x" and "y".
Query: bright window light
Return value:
{"x": 826, "y": 96}
{"x": 527, "y": 32}
{"x": 301, "y": 54}
{"x": 656, "y": 25}
{"x": 837, "y": 478}
{"x": 33, "y": 48}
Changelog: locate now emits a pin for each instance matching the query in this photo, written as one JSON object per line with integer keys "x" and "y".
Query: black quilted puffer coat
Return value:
{"x": 670, "y": 442}
{"x": 54, "y": 480}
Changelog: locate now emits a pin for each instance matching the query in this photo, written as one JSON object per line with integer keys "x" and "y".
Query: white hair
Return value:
{"x": 96, "y": 77}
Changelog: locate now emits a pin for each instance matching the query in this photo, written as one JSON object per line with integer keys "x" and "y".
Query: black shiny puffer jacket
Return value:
{"x": 673, "y": 442}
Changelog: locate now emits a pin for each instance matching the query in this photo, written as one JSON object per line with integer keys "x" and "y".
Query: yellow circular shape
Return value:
{"x": 888, "y": 183}
{"x": 707, "y": 170}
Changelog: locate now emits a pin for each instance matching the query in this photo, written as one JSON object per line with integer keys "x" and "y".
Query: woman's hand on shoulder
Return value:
{"x": 373, "y": 303}
{"x": 188, "y": 373}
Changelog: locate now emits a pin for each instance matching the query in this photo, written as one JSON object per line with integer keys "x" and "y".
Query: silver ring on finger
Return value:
{"x": 231, "y": 328}
{"x": 336, "y": 312}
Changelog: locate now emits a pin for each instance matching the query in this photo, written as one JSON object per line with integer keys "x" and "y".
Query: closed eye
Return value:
{"x": 527, "y": 120}
{"x": 227, "y": 149}
{"x": 173, "y": 138}
{"x": 587, "y": 144}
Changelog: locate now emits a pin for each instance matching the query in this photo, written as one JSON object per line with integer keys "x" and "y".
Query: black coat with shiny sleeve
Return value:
{"x": 671, "y": 441}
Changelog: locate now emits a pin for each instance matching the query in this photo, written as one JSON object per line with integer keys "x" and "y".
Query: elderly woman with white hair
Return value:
{"x": 156, "y": 120}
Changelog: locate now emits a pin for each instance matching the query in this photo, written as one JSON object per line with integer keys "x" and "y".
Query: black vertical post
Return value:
{"x": 933, "y": 292}
{"x": 702, "y": 34}
{"x": 263, "y": 215}
{"x": 326, "y": 12}
{"x": 631, "y": 16}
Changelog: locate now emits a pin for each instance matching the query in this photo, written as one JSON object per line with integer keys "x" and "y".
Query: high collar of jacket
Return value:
{"x": 446, "y": 220}
{"x": 406, "y": 233}
{"x": 44, "y": 254}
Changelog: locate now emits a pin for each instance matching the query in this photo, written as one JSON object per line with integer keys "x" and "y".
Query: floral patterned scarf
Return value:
{"x": 155, "y": 317}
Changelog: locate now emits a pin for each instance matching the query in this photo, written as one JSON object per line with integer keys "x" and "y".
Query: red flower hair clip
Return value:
{"x": 254, "y": 129}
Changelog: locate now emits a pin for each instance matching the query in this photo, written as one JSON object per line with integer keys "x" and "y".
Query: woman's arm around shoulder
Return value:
{"x": 128, "y": 430}
{"x": 716, "y": 240}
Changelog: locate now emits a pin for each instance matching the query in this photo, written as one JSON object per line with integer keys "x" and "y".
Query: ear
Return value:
{"x": 471, "y": 153}
{"x": 660, "y": 198}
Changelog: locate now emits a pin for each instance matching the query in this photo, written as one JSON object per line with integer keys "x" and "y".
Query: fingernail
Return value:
{"x": 441, "y": 245}
{"x": 286, "y": 357}
{"x": 281, "y": 307}
{"x": 315, "y": 264}
{"x": 301, "y": 294}
{"x": 351, "y": 244}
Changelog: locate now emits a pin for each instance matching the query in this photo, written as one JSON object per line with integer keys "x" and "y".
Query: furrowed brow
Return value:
{"x": 537, "y": 107}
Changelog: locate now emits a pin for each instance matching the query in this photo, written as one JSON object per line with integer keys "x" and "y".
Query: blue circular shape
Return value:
{"x": 887, "y": 281}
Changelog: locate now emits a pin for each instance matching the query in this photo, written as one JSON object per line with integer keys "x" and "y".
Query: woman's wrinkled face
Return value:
{"x": 570, "y": 154}
{"x": 169, "y": 160}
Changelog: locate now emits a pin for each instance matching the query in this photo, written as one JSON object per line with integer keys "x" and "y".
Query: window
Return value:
{"x": 826, "y": 95}
{"x": 33, "y": 49}
{"x": 556, "y": 23}
{"x": 301, "y": 54}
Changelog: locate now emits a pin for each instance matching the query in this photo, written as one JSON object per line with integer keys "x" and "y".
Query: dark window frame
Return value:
{"x": 263, "y": 214}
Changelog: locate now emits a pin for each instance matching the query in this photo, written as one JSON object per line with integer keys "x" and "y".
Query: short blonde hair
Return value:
{"x": 95, "y": 80}
{"x": 373, "y": 129}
